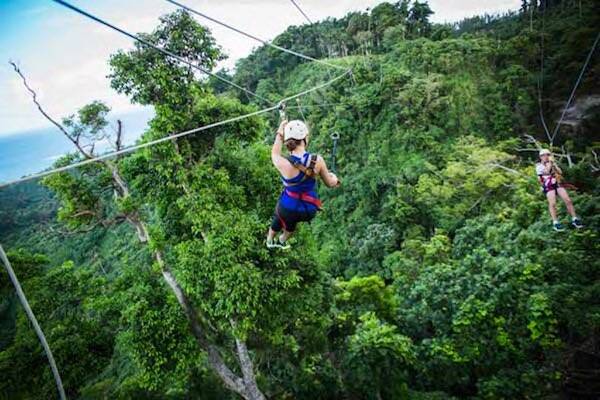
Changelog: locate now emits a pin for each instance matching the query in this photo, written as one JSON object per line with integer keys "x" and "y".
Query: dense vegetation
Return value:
{"x": 432, "y": 273}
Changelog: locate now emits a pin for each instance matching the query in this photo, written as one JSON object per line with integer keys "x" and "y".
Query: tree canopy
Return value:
{"x": 432, "y": 273}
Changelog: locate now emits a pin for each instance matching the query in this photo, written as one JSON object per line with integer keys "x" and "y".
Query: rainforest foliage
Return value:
{"x": 432, "y": 273}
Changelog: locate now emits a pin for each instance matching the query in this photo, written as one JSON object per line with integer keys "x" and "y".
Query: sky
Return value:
{"x": 65, "y": 56}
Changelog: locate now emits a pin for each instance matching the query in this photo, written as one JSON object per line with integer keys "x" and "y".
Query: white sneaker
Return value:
{"x": 577, "y": 223}
{"x": 284, "y": 244}
{"x": 276, "y": 244}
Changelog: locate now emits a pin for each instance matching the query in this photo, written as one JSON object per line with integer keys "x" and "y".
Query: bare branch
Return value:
{"x": 567, "y": 155}
{"x": 247, "y": 368}
{"x": 103, "y": 223}
{"x": 85, "y": 213}
{"x": 46, "y": 115}
{"x": 119, "y": 135}
{"x": 229, "y": 378}
{"x": 512, "y": 171}
{"x": 482, "y": 198}
{"x": 73, "y": 231}
{"x": 595, "y": 164}
{"x": 532, "y": 140}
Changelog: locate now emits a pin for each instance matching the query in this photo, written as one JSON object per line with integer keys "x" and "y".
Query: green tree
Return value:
{"x": 433, "y": 273}
{"x": 151, "y": 77}
{"x": 60, "y": 298}
{"x": 418, "y": 19}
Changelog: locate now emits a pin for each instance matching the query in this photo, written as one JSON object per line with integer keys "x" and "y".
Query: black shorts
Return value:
{"x": 288, "y": 219}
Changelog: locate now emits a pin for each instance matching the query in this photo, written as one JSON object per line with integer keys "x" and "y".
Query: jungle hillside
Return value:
{"x": 432, "y": 272}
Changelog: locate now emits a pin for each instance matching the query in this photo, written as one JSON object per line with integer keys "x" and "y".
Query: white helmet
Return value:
{"x": 295, "y": 130}
{"x": 544, "y": 152}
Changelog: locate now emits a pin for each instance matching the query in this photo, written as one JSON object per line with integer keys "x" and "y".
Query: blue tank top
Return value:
{"x": 298, "y": 184}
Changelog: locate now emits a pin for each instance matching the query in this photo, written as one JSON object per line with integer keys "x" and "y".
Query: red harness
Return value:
{"x": 309, "y": 172}
{"x": 305, "y": 197}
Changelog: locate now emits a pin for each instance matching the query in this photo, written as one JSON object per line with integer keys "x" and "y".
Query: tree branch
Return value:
{"x": 118, "y": 142}
{"x": 104, "y": 223}
{"x": 482, "y": 198}
{"x": 231, "y": 380}
{"x": 595, "y": 165}
{"x": 532, "y": 140}
{"x": 567, "y": 155}
{"x": 512, "y": 171}
{"x": 246, "y": 365}
{"x": 46, "y": 115}
{"x": 84, "y": 213}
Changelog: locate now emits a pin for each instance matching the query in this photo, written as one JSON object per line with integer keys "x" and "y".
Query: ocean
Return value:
{"x": 28, "y": 152}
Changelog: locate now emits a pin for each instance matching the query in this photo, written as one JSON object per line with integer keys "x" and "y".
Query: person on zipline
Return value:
{"x": 299, "y": 201}
{"x": 550, "y": 176}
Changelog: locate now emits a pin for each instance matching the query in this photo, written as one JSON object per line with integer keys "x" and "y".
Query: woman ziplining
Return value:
{"x": 550, "y": 176}
{"x": 299, "y": 201}
{"x": 548, "y": 172}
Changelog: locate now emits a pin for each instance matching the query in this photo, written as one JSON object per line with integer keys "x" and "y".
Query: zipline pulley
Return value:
{"x": 281, "y": 109}
{"x": 335, "y": 137}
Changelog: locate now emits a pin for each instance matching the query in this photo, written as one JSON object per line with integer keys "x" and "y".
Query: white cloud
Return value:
{"x": 65, "y": 56}
{"x": 454, "y": 10}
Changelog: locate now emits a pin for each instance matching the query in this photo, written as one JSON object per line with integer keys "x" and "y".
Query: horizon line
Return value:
{"x": 5, "y": 134}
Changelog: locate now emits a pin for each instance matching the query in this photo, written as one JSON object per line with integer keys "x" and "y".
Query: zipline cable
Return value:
{"x": 164, "y": 51}
{"x": 585, "y": 65}
{"x": 253, "y": 37}
{"x": 319, "y": 105}
{"x": 301, "y": 11}
{"x": 540, "y": 80}
{"x": 170, "y": 137}
{"x": 34, "y": 322}
{"x": 301, "y": 110}
{"x": 180, "y": 134}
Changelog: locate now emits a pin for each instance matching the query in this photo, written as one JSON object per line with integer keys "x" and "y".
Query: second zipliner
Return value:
{"x": 299, "y": 170}
{"x": 553, "y": 187}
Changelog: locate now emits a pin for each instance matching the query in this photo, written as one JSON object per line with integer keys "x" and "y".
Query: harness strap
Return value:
{"x": 281, "y": 220}
{"x": 306, "y": 198}
{"x": 308, "y": 171}
{"x": 546, "y": 180}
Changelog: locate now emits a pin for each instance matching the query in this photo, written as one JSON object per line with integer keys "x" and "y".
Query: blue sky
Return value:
{"x": 65, "y": 56}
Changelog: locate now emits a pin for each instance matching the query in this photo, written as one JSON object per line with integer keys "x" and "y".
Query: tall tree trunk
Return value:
{"x": 132, "y": 217}
{"x": 231, "y": 381}
{"x": 530, "y": 19}
{"x": 246, "y": 386}
{"x": 247, "y": 368}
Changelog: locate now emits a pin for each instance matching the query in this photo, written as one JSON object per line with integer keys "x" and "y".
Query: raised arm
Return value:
{"x": 330, "y": 179}
{"x": 276, "y": 155}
